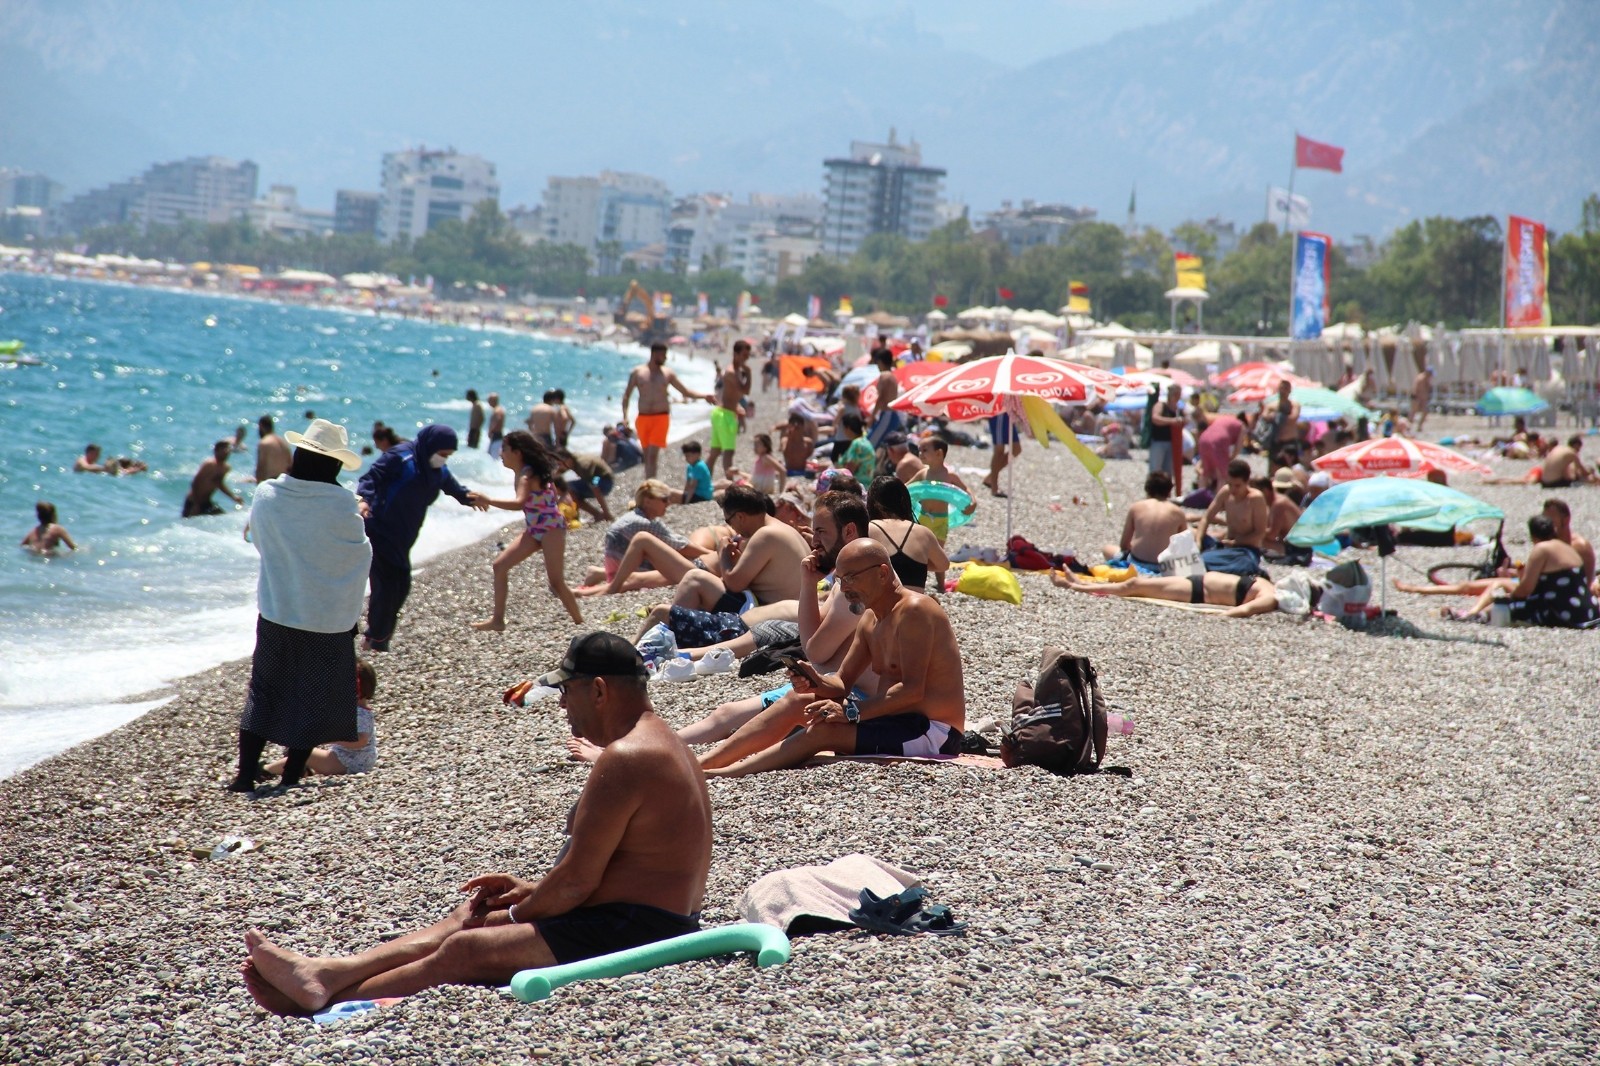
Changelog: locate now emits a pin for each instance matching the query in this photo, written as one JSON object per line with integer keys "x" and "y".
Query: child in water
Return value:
{"x": 47, "y": 536}
{"x": 354, "y": 756}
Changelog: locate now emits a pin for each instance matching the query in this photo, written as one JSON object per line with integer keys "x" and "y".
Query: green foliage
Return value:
{"x": 1433, "y": 270}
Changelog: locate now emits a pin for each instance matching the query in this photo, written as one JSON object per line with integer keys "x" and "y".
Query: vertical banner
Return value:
{"x": 742, "y": 308}
{"x": 1312, "y": 280}
{"x": 663, "y": 305}
{"x": 1527, "y": 274}
{"x": 814, "y": 308}
{"x": 702, "y": 304}
{"x": 847, "y": 307}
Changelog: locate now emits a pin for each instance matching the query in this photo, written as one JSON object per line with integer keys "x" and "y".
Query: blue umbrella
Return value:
{"x": 1508, "y": 400}
{"x": 1384, "y": 501}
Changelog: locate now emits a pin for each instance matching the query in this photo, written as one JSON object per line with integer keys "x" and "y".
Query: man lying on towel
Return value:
{"x": 633, "y": 870}
{"x": 917, "y": 706}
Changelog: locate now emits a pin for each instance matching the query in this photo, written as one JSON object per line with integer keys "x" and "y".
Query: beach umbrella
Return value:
{"x": 1253, "y": 388}
{"x": 1386, "y": 501}
{"x": 1401, "y": 456}
{"x": 1324, "y": 405}
{"x": 1176, "y": 376}
{"x": 1001, "y": 384}
{"x": 1243, "y": 371}
{"x": 1508, "y": 400}
{"x": 909, "y": 375}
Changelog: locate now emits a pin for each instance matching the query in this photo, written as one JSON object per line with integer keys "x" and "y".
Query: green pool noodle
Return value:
{"x": 767, "y": 941}
{"x": 946, "y": 493}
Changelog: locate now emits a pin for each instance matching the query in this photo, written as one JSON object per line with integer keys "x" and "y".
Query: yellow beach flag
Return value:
{"x": 846, "y": 306}
{"x": 1190, "y": 269}
{"x": 1078, "y": 298}
{"x": 1045, "y": 423}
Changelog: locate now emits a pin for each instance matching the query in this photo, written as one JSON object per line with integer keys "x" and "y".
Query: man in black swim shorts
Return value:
{"x": 633, "y": 870}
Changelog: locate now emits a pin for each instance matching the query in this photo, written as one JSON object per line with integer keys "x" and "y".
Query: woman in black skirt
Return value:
{"x": 314, "y": 561}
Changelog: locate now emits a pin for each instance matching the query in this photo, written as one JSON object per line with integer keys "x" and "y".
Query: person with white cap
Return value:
{"x": 314, "y": 562}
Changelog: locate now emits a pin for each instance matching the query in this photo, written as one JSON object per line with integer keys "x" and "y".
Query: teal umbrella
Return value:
{"x": 1507, "y": 400}
{"x": 1323, "y": 405}
{"x": 1387, "y": 501}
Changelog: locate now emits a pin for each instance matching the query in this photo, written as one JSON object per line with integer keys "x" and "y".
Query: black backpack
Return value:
{"x": 1059, "y": 722}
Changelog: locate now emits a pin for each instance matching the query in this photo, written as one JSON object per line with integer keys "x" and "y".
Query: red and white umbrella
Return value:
{"x": 1400, "y": 456}
{"x": 1260, "y": 384}
{"x": 909, "y": 375}
{"x": 979, "y": 389}
{"x": 1176, "y": 376}
{"x": 1234, "y": 374}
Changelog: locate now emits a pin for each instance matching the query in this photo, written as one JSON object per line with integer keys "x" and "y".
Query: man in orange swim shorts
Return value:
{"x": 655, "y": 408}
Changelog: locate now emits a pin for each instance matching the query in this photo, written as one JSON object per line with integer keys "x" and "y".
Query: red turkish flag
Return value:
{"x": 941, "y": 301}
{"x": 1005, "y": 294}
{"x": 1314, "y": 155}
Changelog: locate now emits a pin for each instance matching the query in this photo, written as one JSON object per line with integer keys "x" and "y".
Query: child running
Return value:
{"x": 355, "y": 756}
{"x": 936, "y": 513}
{"x": 539, "y": 488}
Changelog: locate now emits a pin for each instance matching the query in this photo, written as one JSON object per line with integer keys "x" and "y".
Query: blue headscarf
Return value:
{"x": 431, "y": 439}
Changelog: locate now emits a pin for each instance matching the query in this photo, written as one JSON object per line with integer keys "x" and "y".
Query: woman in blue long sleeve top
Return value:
{"x": 395, "y": 496}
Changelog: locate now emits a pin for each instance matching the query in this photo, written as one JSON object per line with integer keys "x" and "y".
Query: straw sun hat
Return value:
{"x": 325, "y": 438}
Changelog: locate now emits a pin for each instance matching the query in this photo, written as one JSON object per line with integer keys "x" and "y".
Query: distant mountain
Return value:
{"x": 1444, "y": 106}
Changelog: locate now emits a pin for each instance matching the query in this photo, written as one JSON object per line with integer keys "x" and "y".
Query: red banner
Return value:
{"x": 941, "y": 301}
{"x": 1005, "y": 294}
{"x": 1314, "y": 155}
{"x": 1527, "y": 274}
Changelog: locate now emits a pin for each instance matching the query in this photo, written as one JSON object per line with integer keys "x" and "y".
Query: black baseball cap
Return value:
{"x": 596, "y": 655}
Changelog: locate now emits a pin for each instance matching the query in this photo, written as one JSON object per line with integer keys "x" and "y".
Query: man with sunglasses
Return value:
{"x": 633, "y": 870}
{"x": 915, "y": 707}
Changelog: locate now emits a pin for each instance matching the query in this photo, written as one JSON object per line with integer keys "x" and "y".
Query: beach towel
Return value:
{"x": 810, "y": 899}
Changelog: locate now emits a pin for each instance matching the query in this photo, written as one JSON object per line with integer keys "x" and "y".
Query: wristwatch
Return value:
{"x": 852, "y": 712}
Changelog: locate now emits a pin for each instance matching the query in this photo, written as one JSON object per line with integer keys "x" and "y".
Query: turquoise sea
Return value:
{"x": 159, "y": 376}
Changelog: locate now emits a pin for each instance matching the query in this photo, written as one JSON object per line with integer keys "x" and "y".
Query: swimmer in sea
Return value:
{"x": 48, "y": 535}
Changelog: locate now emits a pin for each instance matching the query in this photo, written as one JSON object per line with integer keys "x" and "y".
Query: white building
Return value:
{"x": 880, "y": 188}
{"x": 612, "y": 213}
{"x": 710, "y": 230}
{"x": 280, "y": 212}
{"x": 422, "y": 188}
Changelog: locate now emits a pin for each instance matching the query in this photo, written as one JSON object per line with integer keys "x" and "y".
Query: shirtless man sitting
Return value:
{"x": 825, "y": 630}
{"x": 655, "y": 408}
{"x": 1149, "y": 528}
{"x": 633, "y": 870}
{"x": 1245, "y": 511}
{"x": 1562, "y": 467}
{"x": 1242, "y": 596}
{"x": 762, "y": 558}
{"x": 916, "y": 707}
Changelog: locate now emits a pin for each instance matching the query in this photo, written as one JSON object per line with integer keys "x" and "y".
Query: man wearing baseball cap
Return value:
{"x": 633, "y": 870}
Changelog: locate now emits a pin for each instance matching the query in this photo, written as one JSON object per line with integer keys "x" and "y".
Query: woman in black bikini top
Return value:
{"x": 888, "y": 502}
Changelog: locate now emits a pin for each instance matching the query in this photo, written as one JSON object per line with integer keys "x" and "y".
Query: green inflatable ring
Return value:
{"x": 939, "y": 491}
{"x": 767, "y": 941}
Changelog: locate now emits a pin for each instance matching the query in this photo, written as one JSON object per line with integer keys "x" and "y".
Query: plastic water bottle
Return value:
{"x": 1500, "y": 612}
{"x": 1117, "y": 724}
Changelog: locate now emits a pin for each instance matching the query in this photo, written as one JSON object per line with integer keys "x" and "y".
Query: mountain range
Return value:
{"x": 1444, "y": 106}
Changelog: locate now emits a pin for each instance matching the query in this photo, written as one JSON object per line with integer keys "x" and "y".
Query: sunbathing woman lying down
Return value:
{"x": 1243, "y": 596}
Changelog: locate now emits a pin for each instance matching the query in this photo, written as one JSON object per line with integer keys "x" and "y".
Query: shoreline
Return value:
{"x": 1309, "y": 861}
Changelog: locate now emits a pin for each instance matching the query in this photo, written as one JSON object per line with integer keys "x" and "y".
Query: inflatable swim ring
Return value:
{"x": 941, "y": 492}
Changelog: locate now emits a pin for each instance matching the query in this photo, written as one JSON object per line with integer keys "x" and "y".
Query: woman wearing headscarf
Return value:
{"x": 395, "y": 494}
{"x": 314, "y": 560}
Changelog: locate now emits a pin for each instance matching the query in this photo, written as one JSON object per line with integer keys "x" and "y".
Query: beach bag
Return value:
{"x": 1023, "y": 554}
{"x": 990, "y": 583}
{"x": 1181, "y": 556}
{"x": 1058, "y": 723}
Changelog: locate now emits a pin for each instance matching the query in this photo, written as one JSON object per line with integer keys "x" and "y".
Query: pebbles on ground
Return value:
{"x": 1336, "y": 846}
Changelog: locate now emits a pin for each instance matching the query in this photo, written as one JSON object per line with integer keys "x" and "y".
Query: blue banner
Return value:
{"x": 1312, "y": 273}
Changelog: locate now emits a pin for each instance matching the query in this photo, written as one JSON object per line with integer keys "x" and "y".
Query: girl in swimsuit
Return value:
{"x": 767, "y": 474}
{"x": 44, "y": 538}
{"x": 538, "y": 498}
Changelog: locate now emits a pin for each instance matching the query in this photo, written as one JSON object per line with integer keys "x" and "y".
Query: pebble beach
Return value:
{"x": 1335, "y": 846}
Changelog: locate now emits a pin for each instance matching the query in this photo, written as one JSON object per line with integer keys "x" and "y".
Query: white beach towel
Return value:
{"x": 827, "y": 892}
{"x": 314, "y": 554}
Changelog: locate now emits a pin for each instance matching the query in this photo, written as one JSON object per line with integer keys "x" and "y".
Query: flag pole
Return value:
{"x": 1288, "y": 215}
{"x": 1505, "y": 259}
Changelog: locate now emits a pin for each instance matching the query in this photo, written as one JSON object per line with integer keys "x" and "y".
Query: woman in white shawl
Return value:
{"x": 314, "y": 562}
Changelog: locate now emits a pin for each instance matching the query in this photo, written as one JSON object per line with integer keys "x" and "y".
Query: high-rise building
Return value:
{"x": 710, "y": 231}
{"x": 607, "y": 216}
{"x": 202, "y": 189}
{"x": 423, "y": 188}
{"x": 27, "y": 188}
{"x": 880, "y": 188}
{"x": 355, "y": 213}
{"x": 281, "y": 212}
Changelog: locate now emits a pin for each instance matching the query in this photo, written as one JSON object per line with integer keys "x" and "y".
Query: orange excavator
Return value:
{"x": 647, "y": 325}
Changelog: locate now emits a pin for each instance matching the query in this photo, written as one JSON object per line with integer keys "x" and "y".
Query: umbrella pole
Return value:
{"x": 1011, "y": 482}
{"x": 1383, "y": 584}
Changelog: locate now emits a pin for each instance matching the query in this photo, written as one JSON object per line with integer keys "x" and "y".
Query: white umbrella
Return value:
{"x": 1202, "y": 354}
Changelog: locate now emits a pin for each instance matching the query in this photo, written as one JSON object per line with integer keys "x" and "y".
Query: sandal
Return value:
{"x": 904, "y": 915}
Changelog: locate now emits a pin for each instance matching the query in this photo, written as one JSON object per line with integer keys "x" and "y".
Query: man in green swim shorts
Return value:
{"x": 725, "y": 416}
